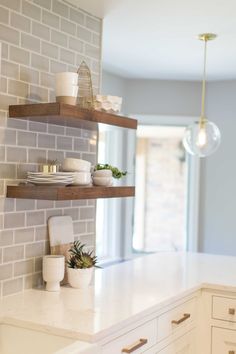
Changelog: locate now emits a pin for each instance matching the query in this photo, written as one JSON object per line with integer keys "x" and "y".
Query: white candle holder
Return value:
{"x": 53, "y": 271}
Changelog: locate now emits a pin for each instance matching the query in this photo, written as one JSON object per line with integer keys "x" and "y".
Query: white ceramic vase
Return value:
{"x": 80, "y": 278}
{"x": 53, "y": 271}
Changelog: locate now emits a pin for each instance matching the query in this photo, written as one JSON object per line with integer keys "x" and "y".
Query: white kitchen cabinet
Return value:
{"x": 223, "y": 341}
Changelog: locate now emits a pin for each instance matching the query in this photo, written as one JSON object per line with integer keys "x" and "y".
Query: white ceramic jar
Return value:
{"x": 80, "y": 278}
{"x": 53, "y": 271}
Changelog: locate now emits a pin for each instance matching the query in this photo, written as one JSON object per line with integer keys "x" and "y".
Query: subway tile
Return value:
{"x": 38, "y": 93}
{"x": 4, "y": 50}
{"x": 87, "y": 213}
{"x": 68, "y": 27}
{"x": 26, "y": 138}
{"x": 4, "y": 15}
{"x": 14, "y": 220}
{"x": 76, "y": 16}
{"x": 73, "y": 131}
{"x": 93, "y": 24}
{"x": 50, "y": 50}
{"x": 37, "y": 156}
{"x": 17, "y": 124}
{"x": 2, "y": 189}
{"x": 89, "y": 134}
{"x": 6, "y": 238}
{"x": 10, "y": 69}
{"x": 34, "y": 249}
{"x": 73, "y": 212}
{"x": 7, "y": 136}
{"x": 50, "y": 19}
{"x": 44, "y": 3}
{"x": 84, "y": 34}
{"x": 62, "y": 203}
{"x": 9, "y": 34}
{"x": 92, "y": 51}
{"x": 34, "y": 218}
{"x": 79, "y": 227}
{"x": 38, "y": 127}
{"x": 20, "y": 22}
{"x": 90, "y": 157}
{"x": 3, "y": 84}
{"x": 67, "y": 56}
{"x": 56, "y": 155}
{"x": 2, "y": 153}
{"x": 96, "y": 66}
{"x": 45, "y": 204}
{"x": 33, "y": 281}
{"x": 81, "y": 202}
{"x": 91, "y": 226}
{"x": 56, "y": 129}
{"x": 30, "y": 42}
{"x": 13, "y": 253}
{"x": 8, "y": 171}
{"x": 25, "y": 204}
{"x": 59, "y": 38}
{"x": 5, "y": 271}
{"x": 23, "y": 267}
{"x": 19, "y": 55}
{"x": 29, "y": 75}
{"x": 96, "y": 39}
{"x": 56, "y": 67}
{"x": 24, "y": 235}
{"x": 76, "y": 44}
{"x": 40, "y": 62}
{"x": 64, "y": 143}
{"x": 53, "y": 212}
{"x": 18, "y": 88}
{"x": 16, "y": 154}
{"x": 81, "y": 144}
{"x": 74, "y": 155}
{"x": 38, "y": 264}
{"x": 40, "y": 30}
{"x": 12, "y": 4}
{"x": 31, "y": 10}
{"x": 60, "y": 8}
{"x": 46, "y": 141}
{"x": 23, "y": 168}
{"x": 12, "y": 286}
{"x": 41, "y": 233}
{"x": 7, "y": 204}
{"x": 80, "y": 58}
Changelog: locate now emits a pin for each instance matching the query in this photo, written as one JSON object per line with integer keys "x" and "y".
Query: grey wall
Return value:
{"x": 217, "y": 220}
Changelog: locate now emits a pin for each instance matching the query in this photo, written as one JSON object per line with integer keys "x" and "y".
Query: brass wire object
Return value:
{"x": 85, "y": 93}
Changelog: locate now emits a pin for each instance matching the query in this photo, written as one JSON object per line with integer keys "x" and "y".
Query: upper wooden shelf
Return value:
{"x": 68, "y": 193}
{"x": 68, "y": 115}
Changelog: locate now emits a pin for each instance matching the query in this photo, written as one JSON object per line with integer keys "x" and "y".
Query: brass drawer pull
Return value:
{"x": 231, "y": 352}
{"x": 231, "y": 312}
{"x": 184, "y": 318}
{"x": 135, "y": 346}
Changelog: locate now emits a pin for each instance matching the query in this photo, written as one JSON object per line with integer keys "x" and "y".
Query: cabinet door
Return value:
{"x": 183, "y": 345}
{"x": 223, "y": 341}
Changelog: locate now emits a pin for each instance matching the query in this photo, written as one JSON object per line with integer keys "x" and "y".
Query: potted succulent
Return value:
{"x": 80, "y": 265}
{"x": 103, "y": 174}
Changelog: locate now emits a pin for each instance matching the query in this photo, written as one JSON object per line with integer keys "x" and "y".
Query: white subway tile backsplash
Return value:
{"x": 39, "y": 38}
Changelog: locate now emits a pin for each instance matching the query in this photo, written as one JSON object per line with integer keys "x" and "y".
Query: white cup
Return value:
{"x": 66, "y": 90}
{"x": 53, "y": 271}
{"x": 67, "y": 78}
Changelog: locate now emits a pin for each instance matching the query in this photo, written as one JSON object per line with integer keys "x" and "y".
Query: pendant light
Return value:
{"x": 203, "y": 137}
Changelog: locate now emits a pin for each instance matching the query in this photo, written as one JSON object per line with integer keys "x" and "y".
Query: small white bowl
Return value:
{"x": 76, "y": 165}
{"x": 67, "y": 77}
{"x": 103, "y": 181}
{"x": 102, "y": 173}
{"x": 81, "y": 178}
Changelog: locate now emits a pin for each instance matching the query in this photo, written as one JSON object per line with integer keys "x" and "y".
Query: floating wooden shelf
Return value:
{"x": 68, "y": 115}
{"x": 68, "y": 193}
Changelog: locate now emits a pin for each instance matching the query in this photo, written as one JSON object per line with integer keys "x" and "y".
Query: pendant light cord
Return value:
{"x": 203, "y": 119}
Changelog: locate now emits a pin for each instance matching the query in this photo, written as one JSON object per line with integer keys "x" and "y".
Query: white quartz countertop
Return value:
{"x": 122, "y": 294}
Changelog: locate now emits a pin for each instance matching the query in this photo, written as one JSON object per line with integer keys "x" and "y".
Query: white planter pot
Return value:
{"x": 80, "y": 278}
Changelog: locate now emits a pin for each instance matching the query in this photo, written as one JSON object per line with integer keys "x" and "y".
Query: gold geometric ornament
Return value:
{"x": 85, "y": 93}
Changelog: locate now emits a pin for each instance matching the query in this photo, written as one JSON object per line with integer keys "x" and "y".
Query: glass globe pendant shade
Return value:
{"x": 202, "y": 140}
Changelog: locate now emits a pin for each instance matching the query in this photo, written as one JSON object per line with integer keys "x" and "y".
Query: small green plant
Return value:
{"x": 79, "y": 258}
{"x": 116, "y": 173}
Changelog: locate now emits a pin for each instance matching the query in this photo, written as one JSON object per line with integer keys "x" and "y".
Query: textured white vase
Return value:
{"x": 80, "y": 278}
{"x": 53, "y": 271}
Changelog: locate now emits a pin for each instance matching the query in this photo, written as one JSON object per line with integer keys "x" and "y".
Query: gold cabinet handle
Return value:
{"x": 135, "y": 346}
{"x": 182, "y": 319}
{"x": 231, "y": 312}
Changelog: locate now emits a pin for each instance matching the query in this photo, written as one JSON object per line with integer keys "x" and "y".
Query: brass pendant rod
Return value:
{"x": 202, "y": 118}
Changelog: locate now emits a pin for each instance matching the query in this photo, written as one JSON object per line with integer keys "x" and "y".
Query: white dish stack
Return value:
{"x": 51, "y": 178}
{"x": 110, "y": 104}
{"x": 81, "y": 170}
{"x": 67, "y": 87}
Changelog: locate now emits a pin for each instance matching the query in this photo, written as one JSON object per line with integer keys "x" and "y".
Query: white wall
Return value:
{"x": 217, "y": 222}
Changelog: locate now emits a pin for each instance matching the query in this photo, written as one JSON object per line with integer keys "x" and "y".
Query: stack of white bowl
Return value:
{"x": 81, "y": 169}
{"x": 67, "y": 87}
{"x": 110, "y": 104}
{"x": 102, "y": 178}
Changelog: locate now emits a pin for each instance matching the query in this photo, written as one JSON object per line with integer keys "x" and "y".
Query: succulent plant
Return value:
{"x": 79, "y": 258}
{"x": 116, "y": 173}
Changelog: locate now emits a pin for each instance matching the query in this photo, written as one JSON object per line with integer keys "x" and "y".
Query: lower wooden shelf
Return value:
{"x": 68, "y": 193}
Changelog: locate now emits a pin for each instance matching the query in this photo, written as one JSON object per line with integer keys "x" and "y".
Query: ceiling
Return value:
{"x": 156, "y": 39}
